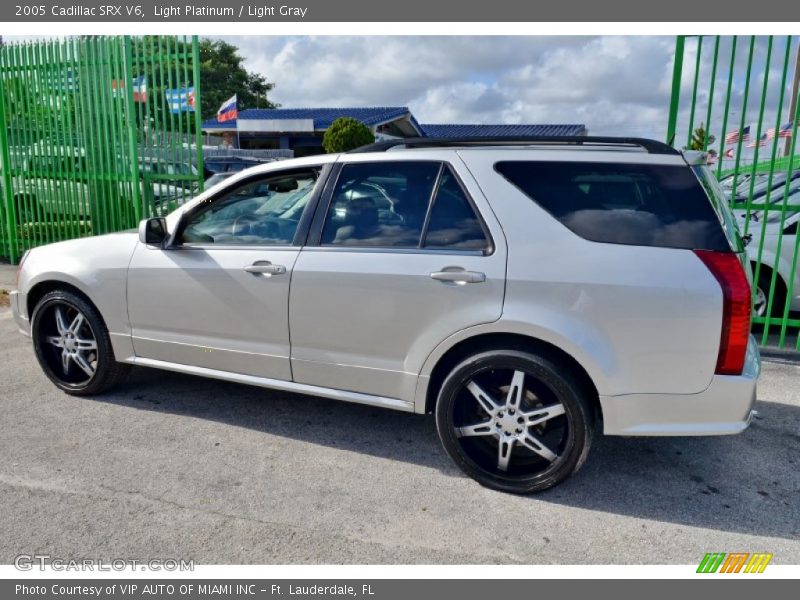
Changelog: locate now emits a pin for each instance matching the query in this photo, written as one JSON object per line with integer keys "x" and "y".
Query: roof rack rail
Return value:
{"x": 650, "y": 146}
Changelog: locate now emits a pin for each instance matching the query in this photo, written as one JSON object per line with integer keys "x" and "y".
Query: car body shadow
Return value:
{"x": 749, "y": 483}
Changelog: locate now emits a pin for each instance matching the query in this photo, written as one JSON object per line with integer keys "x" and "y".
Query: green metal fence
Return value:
{"x": 736, "y": 98}
{"x": 95, "y": 133}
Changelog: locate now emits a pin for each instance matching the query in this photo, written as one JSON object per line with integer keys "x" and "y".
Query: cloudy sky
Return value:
{"x": 615, "y": 85}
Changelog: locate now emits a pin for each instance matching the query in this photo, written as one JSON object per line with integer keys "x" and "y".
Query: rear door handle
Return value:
{"x": 265, "y": 268}
{"x": 458, "y": 275}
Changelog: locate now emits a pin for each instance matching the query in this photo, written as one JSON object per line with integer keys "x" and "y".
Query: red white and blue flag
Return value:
{"x": 762, "y": 141}
{"x": 228, "y": 110}
{"x": 180, "y": 100}
{"x": 139, "y": 86}
{"x": 733, "y": 137}
{"x": 785, "y": 131}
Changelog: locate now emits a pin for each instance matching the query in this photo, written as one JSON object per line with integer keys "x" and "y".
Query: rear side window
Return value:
{"x": 641, "y": 205}
{"x": 380, "y": 204}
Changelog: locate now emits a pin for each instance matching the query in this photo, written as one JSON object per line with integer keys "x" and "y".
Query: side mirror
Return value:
{"x": 153, "y": 232}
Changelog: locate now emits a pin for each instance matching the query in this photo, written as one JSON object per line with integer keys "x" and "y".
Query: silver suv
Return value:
{"x": 527, "y": 292}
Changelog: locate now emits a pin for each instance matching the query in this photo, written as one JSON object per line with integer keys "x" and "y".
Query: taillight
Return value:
{"x": 728, "y": 271}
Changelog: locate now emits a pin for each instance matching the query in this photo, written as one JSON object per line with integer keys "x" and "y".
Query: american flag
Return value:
{"x": 733, "y": 137}
{"x": 762, "y": 141}
{"x": 785, "y": 131}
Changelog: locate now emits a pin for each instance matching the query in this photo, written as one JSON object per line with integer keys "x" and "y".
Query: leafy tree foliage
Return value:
{"x": 346, "y": 133}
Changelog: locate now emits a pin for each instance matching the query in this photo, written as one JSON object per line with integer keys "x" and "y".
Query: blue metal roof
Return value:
{"x": 322, "y": 117}
{"x": 462, "y": 131}
{"x": 376, "y": 115}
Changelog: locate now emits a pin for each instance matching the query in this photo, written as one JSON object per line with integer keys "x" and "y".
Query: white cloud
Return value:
{"x": 615, "y": 85}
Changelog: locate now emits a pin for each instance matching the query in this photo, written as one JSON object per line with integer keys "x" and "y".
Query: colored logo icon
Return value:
{"x": 735, "y": 562}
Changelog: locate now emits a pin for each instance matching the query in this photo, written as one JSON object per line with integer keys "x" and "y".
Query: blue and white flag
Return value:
{"x": 180, "y": 100}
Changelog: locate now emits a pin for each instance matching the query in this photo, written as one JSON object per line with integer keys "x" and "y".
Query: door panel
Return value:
{"x": 219, "y": 297}
{"x": 403, "y": 262}
{"x": 366, "y": 321}
{"x": 204, "y": 307}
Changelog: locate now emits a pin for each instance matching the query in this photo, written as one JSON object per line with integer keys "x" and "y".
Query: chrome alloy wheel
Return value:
{"x": 71, "y": 344}
{"x": 525, "y": 422}
{"x": 760, "y": 302}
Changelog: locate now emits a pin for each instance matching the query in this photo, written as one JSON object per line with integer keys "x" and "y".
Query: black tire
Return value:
{"x": 68, "y": 374}
{"x": 778, "y": 298}
{"x": 567, "y": 434}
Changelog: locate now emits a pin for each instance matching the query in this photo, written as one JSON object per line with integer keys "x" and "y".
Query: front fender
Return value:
{"x": 96, "y": 266}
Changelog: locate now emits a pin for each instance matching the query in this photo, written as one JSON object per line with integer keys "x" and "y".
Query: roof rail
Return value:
{"x": 650, "y": 146}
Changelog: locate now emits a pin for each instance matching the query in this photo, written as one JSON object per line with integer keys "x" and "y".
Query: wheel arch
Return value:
{"x": 481, "y": 342}
{"x": 38, "y": 291}
{"x": 768, "y": 269}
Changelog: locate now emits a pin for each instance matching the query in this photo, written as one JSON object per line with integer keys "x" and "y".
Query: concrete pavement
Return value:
{"x": 174, "y": 466}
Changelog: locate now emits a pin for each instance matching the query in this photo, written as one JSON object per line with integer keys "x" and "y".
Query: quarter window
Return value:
{"x": 453, "y": 224}
{"x": 638, "y": 204}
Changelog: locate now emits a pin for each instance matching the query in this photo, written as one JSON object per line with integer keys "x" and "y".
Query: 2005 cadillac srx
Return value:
{"x": 529, "y": 292}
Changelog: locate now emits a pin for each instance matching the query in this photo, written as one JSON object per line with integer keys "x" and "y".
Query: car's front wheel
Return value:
{"x": 72, "y": 345}
{"x": 515, "y": 421}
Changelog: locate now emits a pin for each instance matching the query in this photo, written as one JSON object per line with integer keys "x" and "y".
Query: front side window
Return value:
{"x": 380, "y": 204}
{"x": 263, "y": 211}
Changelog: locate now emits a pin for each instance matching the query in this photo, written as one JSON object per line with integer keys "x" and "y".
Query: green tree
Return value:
{"x": 701, "y": 139}
{"x": 222, "y": 74}
{"x": 345, "y": 134}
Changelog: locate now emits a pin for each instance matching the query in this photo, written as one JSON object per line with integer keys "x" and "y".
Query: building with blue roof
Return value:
{"x": 301, "y": 129}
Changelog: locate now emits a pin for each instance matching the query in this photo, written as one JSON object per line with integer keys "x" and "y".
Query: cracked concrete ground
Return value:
{"x": 171, "y": 466}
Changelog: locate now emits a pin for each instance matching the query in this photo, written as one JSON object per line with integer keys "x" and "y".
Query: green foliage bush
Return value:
{"x": 346, "y": 134}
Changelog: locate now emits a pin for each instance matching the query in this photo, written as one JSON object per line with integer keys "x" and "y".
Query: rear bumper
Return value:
{"x": 724, "y": 408}
{"x": 18, "y": 312}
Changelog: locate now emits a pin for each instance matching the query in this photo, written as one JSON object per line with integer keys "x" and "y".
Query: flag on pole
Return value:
{"x": 762, "y": 141}
{"x": 139, "y": 87}
{"x": 180, "y": 100}
{"x": 733, "y": 137}
{"x": 228, "y": 111}
{"x": 786, "y": 130}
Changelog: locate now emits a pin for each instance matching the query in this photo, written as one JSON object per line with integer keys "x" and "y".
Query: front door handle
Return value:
{"x": 458, "y": 275}
{"x": 265, "y": 268}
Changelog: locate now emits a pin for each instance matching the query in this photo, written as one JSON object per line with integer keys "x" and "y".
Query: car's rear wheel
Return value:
{"x": 72, "y": 345}
{"x": 515, "y": 421}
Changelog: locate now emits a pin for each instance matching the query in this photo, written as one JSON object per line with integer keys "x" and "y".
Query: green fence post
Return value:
{"x": 8, "y": 192}
{"x": 722, "y": 133}
{"x": 699, "y": 52}
{"x": 198, "y": 108}
{"x": 711, "y": 93}
{"x": 132, "y": 148}
{"x": 675, "y": 98}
